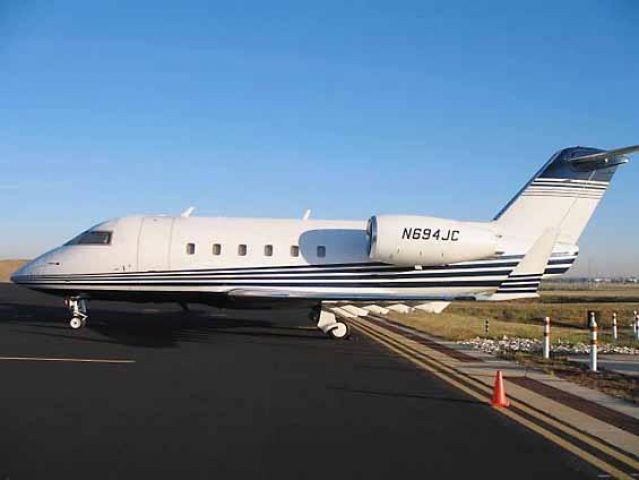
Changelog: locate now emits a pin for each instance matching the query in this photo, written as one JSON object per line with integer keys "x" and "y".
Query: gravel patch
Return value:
{"x": 515, "y": 344}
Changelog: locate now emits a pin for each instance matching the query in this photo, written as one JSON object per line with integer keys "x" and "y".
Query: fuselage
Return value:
{"x": 203, "y": 259}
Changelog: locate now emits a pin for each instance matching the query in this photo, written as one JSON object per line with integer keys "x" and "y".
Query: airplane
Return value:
{"x": 268, "y": 262}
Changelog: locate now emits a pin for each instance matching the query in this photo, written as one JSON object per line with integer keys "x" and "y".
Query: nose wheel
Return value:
{"x": 76, "y": 323}
{"x": 78, "y": 308}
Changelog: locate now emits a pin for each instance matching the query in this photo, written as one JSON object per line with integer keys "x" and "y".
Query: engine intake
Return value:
{"x": 428, "y": 241}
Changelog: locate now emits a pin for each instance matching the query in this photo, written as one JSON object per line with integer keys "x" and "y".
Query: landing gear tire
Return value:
{"x": 339, "y": 331}
{"x": 76, "y": 323}
{"x": 78, "y": 308}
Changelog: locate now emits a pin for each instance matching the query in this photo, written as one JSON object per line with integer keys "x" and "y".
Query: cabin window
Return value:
{"x": 190, "y": 248}
{"x": 241, "y": 250}
{"x": 321, "y": 251}
{"x": 268, "y": 250}
{"x": 92, "y": 237}
{"x": 217, "y": 249}
{"x": 295, "y": 251}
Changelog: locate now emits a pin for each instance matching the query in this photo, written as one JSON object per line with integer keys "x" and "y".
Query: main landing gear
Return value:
{"x": 78, "y": 308}
{"x": 327, "y": 323}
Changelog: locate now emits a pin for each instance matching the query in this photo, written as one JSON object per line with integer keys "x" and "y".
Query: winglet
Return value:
{"x": 307, "y": 214}
{"x": 187, "y": 213}
{"x": 524, "y": 280}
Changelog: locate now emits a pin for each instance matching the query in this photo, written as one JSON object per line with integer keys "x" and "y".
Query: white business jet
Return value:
{"x": 250, "y": 262}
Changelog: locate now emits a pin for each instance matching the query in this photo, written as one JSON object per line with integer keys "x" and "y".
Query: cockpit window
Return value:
{"x": 92, "y": 237}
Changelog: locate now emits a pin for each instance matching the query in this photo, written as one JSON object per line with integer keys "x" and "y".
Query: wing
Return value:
{"x": 282, "y": 294}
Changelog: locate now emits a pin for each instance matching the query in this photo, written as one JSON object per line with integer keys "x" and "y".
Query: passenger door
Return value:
{"x": 154, "y": 243}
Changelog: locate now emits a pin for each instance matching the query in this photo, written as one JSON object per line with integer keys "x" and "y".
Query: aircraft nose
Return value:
{"x": 31, "y": 272}
{"x": 23, "y": 274}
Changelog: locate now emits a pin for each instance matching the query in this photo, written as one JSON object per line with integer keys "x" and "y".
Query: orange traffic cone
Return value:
{"x": 499, "y": 392}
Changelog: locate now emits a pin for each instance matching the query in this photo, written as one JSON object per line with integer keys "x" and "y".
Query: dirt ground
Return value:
{"x": 7, "y": 267}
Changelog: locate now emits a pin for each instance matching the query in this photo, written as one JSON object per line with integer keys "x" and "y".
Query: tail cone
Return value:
{"x": 499, "y": 392}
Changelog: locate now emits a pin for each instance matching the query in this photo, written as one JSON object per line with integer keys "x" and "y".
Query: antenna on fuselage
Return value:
{"x": 187, "y": 213}
{"x": 307, "y": 214}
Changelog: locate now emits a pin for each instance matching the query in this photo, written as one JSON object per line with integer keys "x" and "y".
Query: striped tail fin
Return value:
{"x": 563, "y": 194}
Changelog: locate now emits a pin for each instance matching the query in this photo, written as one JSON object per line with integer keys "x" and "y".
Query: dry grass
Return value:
{"x": 457, "y": 326}
{"x": 7, "y": 267}
{"x": 588, "y": 286}
{"x": 565, "y": 308}
{"x": 561, "y": 314}
{"x": 464, "y": 320}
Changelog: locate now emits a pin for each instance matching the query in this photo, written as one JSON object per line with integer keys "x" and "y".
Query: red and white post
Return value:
{"x": 593, "y": 342}
{"x": 614, "y": 325}
{"x": 547, "y": 337}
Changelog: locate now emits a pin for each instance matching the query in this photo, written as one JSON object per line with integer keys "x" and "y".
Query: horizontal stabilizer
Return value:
{"x": 608, "y": 158}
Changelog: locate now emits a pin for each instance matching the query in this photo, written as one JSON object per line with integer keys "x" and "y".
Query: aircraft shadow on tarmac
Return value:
{"x": 161, "y": 328}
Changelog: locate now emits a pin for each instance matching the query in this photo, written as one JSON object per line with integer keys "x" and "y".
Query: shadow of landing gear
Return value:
{"x": 164, "y": 327}
{"x": 171, "y": 329}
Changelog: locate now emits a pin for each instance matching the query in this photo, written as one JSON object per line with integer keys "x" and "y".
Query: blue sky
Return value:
{"x": 348, "y": 108}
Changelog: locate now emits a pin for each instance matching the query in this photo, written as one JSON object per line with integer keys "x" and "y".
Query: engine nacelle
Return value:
{"x": 413, "y": 240}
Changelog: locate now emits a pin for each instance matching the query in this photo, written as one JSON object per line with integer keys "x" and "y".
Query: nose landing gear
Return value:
{"x": 78, "y": 308}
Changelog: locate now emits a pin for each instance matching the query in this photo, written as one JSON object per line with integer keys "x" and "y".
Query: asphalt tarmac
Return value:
{"x": 222, "y": 394}
{"x": 624, "y": 364}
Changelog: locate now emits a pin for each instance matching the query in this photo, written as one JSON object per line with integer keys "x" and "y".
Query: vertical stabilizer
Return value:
{"x": 563, "y": 194}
